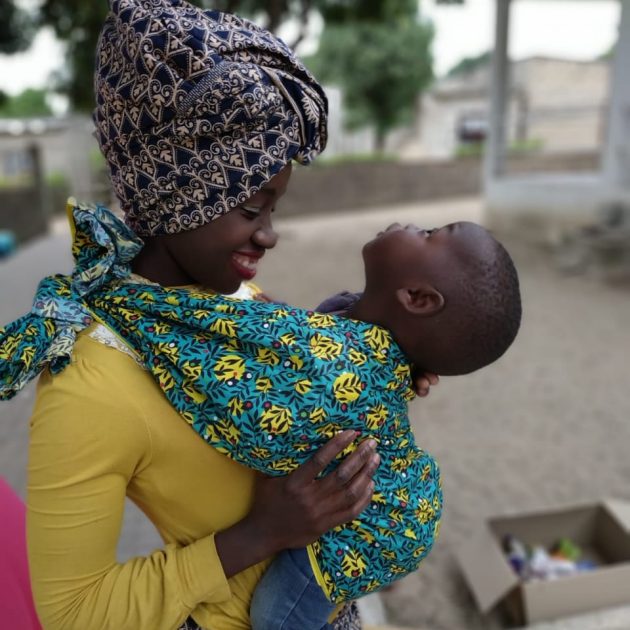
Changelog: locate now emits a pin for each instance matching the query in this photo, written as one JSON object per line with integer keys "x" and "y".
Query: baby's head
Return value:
{"x": 450, "y": 296}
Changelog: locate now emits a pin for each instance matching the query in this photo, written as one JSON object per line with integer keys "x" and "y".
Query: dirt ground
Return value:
{"x": 549, "y": 424}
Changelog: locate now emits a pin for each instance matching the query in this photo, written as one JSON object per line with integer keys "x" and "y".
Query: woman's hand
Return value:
{"x": 295, "y": 510}
{"x": 423, "y": 381}
{"x": 304, "y": 507}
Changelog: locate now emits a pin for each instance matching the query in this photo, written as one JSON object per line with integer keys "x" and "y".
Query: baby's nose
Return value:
{"x": 393, "y": 226}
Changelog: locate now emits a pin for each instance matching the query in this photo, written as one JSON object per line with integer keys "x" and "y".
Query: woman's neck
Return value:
{"x": 156, "y": 264}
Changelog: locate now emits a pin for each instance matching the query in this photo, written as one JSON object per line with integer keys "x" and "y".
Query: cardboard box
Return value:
{"x": 602, "y": 530}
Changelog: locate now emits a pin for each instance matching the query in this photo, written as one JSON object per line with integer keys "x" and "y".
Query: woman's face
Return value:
{"x": 227, "y": 251}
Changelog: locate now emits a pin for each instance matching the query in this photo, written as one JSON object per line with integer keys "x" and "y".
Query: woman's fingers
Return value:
{"x": 433, "y": 379}
{"x": 293, "y": 511}
{"x": 358, "y": 461}
{"x": 309, "y": 471}
{"x": 346, "y": 491}
{"x": 423, "y": 381}
{"x": 351, "y": 512}
{"x": 347, "y": 497}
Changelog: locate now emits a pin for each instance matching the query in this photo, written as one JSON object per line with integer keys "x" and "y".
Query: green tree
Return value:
{"x": 27, "y": 104}
{"x": 468, "y": 64}
{"x": 352, "y": 11}
{"x": 78, "y": 24}
{"x": 608, "y": 55}
{"x": 379, "y": 53}
{"x": 16, "y": 28}
{"x": 273, "y": 12}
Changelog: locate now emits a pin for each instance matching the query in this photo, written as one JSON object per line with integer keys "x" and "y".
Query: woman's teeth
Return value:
{"x": 246, "y": 261}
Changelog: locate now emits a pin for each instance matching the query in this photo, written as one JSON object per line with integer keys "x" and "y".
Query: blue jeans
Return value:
{"x": 288, "y": 596}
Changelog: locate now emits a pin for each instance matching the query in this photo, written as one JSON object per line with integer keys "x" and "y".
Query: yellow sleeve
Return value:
{"x": 83, "y": 453}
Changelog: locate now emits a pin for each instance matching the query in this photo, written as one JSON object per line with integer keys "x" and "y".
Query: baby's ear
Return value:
{"x": 422, "y": 299}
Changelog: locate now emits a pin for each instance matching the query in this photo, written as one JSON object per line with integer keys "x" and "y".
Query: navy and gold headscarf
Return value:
{"x": 197, "y": 110}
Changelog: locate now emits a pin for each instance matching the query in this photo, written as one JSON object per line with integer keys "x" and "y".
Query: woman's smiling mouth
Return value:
{"x": 246, "y": 264}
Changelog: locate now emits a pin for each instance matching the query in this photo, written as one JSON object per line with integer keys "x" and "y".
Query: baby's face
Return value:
{"x": 402, "y": 250}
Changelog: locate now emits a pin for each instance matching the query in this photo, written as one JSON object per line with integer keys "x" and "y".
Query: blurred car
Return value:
{"x": 8, "y": 243}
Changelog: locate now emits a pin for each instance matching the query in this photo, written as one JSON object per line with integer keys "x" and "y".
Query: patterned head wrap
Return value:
{"x": 197, "y": 110}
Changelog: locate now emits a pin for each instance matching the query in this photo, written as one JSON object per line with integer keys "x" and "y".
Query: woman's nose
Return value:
{"x": 266, "y": 237}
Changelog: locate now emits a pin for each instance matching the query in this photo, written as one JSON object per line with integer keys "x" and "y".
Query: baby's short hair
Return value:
{"x": 488, "y": 308}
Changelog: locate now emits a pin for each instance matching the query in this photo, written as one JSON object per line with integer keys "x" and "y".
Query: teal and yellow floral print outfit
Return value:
{"x": 266, "y": 384}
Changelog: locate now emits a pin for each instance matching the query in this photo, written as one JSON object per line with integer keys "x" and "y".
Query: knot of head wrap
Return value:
{"x": 103, "y": 248}
{"x": 197, "y": 110}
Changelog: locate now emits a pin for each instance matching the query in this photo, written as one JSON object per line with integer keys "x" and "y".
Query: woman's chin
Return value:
{"x": 230, "y": 287}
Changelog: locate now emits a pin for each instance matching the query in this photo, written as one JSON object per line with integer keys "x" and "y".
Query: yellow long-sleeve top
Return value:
{"x": 102, "y": 429}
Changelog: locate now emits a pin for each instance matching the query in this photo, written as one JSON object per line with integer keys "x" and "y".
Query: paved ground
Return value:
{"x": 549, "y": 424}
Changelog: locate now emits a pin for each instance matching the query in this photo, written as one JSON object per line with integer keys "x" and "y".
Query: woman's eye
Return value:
{"x": 251, "y": 211}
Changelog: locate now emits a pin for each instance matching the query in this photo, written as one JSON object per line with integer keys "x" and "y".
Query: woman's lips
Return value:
{"x": 246, "y": 264}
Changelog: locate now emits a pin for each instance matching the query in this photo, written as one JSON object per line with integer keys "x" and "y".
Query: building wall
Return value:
{"x": 440, "y": 119}
{"x": 329, "y": 188}
{"x": 566, "y": 102}
{"x": 67, "y": 149}
{"x": 342, "y": 141}
{"x": 562, "y": 104}
{"x": 21, "y": 213}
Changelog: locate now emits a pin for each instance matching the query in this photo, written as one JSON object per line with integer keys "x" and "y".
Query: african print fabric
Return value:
{"x": 103, "y": 248}
{"x": 263, "y": 383}
{"x": 197, "y": 110}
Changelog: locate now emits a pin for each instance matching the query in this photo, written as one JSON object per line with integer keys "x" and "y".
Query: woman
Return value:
{"x": 199, "y": 115}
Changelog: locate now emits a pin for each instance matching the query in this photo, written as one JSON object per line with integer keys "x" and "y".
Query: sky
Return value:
{"x": 576, "y": 29}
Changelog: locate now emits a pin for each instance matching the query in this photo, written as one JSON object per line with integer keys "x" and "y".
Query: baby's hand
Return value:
{"x": 423, "y": 381}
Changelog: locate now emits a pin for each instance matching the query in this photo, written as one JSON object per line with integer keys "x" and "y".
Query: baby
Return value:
{"x": 268, "y": 384}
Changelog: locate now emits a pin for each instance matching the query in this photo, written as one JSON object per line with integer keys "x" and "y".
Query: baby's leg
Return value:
{"x": 288, "y": 596}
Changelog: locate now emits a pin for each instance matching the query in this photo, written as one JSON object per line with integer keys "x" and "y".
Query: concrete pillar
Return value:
{"x": 499, "y": 88}
{"x": 39, "y": 179}
{"x": 616, "y": 157}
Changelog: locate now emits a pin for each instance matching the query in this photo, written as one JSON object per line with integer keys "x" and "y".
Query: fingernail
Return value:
{"x": 372, "y": 444}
